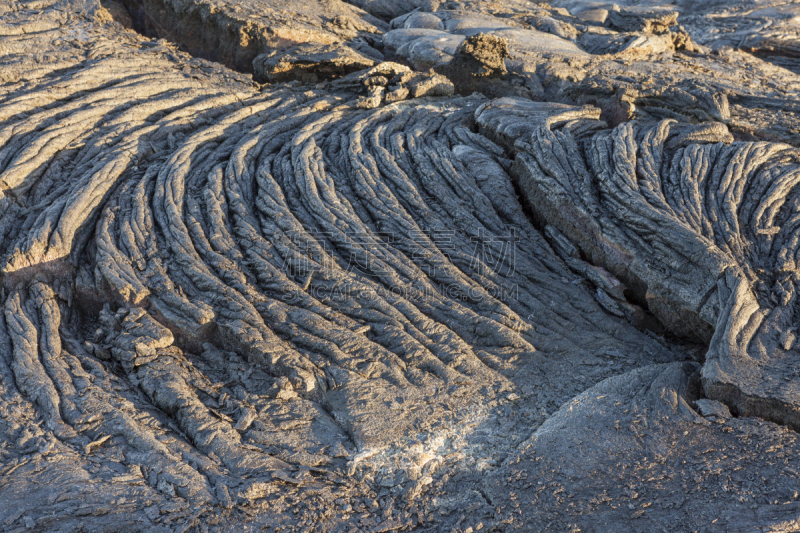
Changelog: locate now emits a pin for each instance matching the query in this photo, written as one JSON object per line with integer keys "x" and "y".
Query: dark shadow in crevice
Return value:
{"x": 209, "y": 38}
{"x": 788, "y": 61}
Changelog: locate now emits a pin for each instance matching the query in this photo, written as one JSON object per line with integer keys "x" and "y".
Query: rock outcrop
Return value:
{"x": 476, "y": 266}
{"x": 235, "y": 33}
{"x": 718, "y": 261}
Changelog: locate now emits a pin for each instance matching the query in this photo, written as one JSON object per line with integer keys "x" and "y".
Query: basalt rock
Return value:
{"x": 378, "y": 298}
{"x": 767, "y": 28}
{"x": 717, "y": 264}
{"x": 613, "y": 454}
{"x": 236, "y": 33}
{"x": 478, "y": 64}
{"x": 308, "y": 63}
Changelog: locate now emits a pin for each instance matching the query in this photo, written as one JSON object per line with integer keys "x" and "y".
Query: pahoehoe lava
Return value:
{"x": 438, "y": 266}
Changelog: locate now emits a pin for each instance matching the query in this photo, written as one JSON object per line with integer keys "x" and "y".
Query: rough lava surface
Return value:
{"x": 399, "y": 266}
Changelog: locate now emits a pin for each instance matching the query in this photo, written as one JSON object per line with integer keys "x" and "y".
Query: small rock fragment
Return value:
{"x": 89, "y": 447}
{"x": 713, "y": 408}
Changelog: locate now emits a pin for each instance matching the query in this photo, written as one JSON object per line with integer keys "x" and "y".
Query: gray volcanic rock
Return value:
{"x": 644, "y": 19}
{"x": 211, "y": 297}
{"x": 632, "y": 452}
{"x": 479, "y": 66}
{"x": 308, "y": 63}
{"x": 483, "y": 55}
{"x": 357, "y": 301}
{"x": 424, "y": 47}
{"x": 234, "y": 33}
{"x": 389, "y": 9}
{"x": 765, "y": 27}
{"x": 720, "y": 257}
